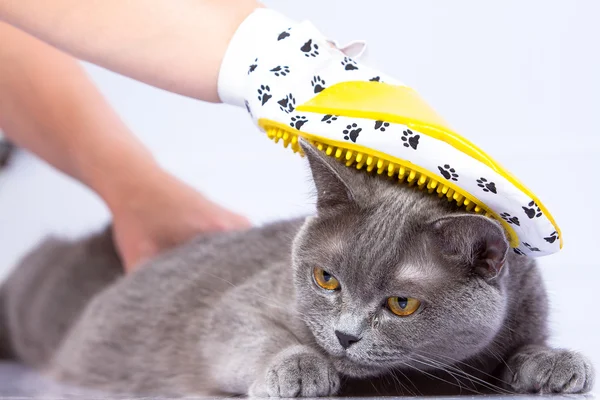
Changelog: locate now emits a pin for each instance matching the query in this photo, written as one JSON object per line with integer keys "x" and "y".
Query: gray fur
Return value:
{"x": 6, "y": 151}
{"x": 239, "y": 313}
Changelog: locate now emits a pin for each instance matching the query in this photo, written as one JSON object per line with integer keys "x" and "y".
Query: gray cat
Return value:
{"x": 385, "y": 291}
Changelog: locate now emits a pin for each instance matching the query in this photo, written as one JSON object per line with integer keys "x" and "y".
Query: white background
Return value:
{"x": 518, "y": 78}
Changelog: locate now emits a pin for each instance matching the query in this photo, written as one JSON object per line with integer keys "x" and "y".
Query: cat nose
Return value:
{"x": 345, "y": 339}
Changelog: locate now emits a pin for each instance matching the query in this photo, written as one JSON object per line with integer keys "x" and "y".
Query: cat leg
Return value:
{"x": 297, "y": 371}
{"x": 259, "y": 356}
{"x": 257, "y": 346}
{"x": 541, "y": 369}
{"x": 263, "y": 359}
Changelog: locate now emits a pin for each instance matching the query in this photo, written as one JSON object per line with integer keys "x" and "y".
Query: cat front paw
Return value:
{"x": 550, "y": 371}
{"x": 298, "y": 371}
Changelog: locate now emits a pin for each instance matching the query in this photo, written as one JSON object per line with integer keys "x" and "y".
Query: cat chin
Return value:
{"x": 352, "y": 369}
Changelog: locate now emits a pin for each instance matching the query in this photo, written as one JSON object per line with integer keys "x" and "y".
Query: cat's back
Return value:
{"x": 211, "y": 264}
{"x": 192, "y": 276}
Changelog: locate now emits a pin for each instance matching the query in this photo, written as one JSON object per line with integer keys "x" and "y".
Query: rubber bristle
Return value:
{"x": 381, "y": 166}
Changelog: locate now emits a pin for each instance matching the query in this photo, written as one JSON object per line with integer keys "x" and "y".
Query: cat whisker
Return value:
{"x": 464, "y": 364}
{"x": 500, "y": 359}
{"x": 374, "y": 387}
{"x": 387, "y": 382}
{"x": 442, "y": 368}
{"x": 445, "y": 368}
{"x": 464, "y": 374}
{"x": 404, "y": 387}
{"x": 436, "y": 377}
{"x": 409, "y": 381}
{"x": 220, "y": 278}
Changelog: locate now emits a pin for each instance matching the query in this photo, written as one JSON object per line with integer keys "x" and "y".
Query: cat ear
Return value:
{"x": 331, "y": 178}
{"x": 476, "y": 240}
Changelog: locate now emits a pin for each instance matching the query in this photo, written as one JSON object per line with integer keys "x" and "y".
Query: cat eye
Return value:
{"x": 403, "y": 306}
{"x": 325, "y": 280}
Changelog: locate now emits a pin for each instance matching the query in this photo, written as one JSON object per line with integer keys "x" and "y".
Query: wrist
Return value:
{"x": 121, "y": 177}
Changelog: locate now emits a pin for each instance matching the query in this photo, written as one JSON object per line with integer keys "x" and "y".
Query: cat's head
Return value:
{"x": 386, "y": 275}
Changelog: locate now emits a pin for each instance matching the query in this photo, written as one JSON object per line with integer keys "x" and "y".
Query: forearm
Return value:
{"x": 49, "y": 106}
{"x": 175, "y": 45}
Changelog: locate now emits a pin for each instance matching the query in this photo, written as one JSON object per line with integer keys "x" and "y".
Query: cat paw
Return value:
{"x": 297, "y": 371}
{"x": 551, "y": 371}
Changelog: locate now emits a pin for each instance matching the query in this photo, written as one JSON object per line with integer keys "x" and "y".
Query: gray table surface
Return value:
{"x": 19, "y": 382}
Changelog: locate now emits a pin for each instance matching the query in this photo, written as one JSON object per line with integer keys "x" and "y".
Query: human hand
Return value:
{"x": 161, "y": 213}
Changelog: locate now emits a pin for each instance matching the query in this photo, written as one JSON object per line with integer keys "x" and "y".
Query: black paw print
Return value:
{"x": 298, "y": 121}
{"x": 248, "y": 108}
{"x": 264, "y": 94}
{"x": 287, "y": 104}
{"x": 381, "y": 125}
{"x": 253, "y": 66}
{"x": 318, "y": 84}
{"x": 280, "y": 70}
{"x": 552, "y": 238}
{"x": 310, "y": 49}
{"x": 349, "y": 64}
{"x": 518, "y": 251}
{"x": 510, "y": 219}
{"x": 448, "y": 172}
{"x": 533, "y": 211}
{"x": 487, "y": 186}
{"x": 530, "y": 247}
{"x": 329, "y": 118}
{"x": 411, "y": 140}
{"x": 376, "y": 79}
{"x": 351, "y": 132}
{"x": 283, "y": 34}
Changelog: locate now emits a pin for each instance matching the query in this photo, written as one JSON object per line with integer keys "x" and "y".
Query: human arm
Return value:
{"x": 174, "y": 45}
{"x": 49, "y": 106}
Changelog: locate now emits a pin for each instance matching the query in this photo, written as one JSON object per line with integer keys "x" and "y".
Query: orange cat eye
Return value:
{"x": 403, "y": 306}
{"x": 325, "y": 280}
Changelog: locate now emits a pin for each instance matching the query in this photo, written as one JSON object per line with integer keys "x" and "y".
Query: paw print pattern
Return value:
{"x": 253, "y": 66}
{"x": 280, "y": 70}
{"x": 351, "y": 132}
{"x": 329, "y": 118}
{"x": 510, "y": 219}
{"x": 411, "y": 140}
{"x": 376, "y": 79}
{"x": 448, "y": 172}
{"x": 349, "y": 64}
{"x": 287, "y": 104}
{"x": 310, "y": 49}
{"x": 530, "y": 247}
{"x": 532, "y": 210}
{"x": 264, "y": 94}
{"x": 552, "y": 238}
{"x": 318, "y": 84}
{"x": 248, "y": 108}
{"x": 518, "y": 251}
{"x": 381, "y": 125}
{"x": 487, "y": 186}
{"x": 298, "y": 121}
{"x": 284, "y": 34}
